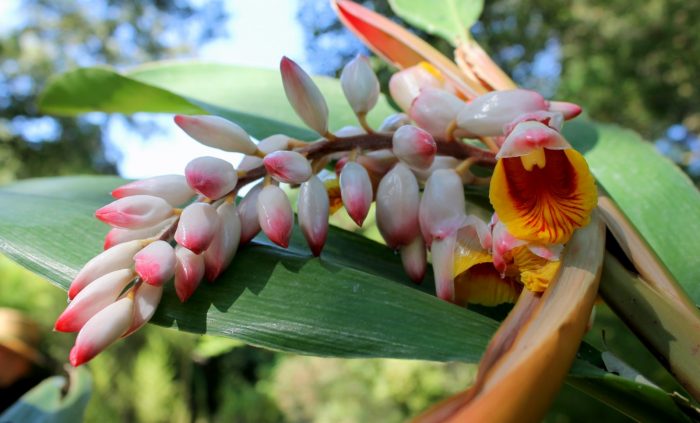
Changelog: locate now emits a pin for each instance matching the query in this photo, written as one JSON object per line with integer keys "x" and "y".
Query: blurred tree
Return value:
{"x": 626, "y": 63}
{"x": 49, "y": 37}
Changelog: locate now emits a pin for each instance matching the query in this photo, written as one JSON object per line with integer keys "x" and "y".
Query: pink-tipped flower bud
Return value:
{"x": 268, "y": 145}
{"x": 304, "y": 96}
{"x": 405, "y": 85}
{"x": 443, "y": 266}
{"x": 135, "y": 212}
{"x": 101, "y": 330}
{"x": 119, "y": 235}
{"x": 398, "y": 198}
{"x": 217, "y": 132}
{"x": 225, "y": 243}
{"x": 360, "y": 85}
{"x": 189, "y": 272}
{"x": 118, "y": 257}
{"x": 356, "y": 191}
{"x": 393, "y": 122}
{"x": 146, "y": 300}
{"x": 156, "y": 263}
{"x": 414, "y": 146}
{"x": 248, "y": 213}
{"x": 569, "y": 110}
{"x": 288, "y": 166}
{"x": 434, "y": 110}
{"x": 102, "y": 292}
{"x": 275, "y": 215}
{"x": 197, "y": 227}
{"x": 413, "y": 258}
{"x": 171, "y": 188}
{"x": 488, "y": 114}
{"x": 312, "y": 210}
{"x": 210, "y": 176}
{"x": 441, "y": 210}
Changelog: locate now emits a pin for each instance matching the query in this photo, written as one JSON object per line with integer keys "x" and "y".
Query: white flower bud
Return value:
{"x": 414, "y": 146}
{"x": 360, "y": 85}
{"x": 275, "y": 215}
{"x": 398, "y": 199}
{"x": 197, "y": 227}
{"x": 101, "y": 330}
{"x": 171, "y": 188}
{"x": 304, "y": 96}
{"x": 155, "y": 264}
{"x": 442, "y": 207}
{"x": 443, "y": 266}
{"x": 350, "y": 131}
{"x": 356, "y": 191}
{"x": 189, "y": 271}
{"x": 135, "y": 212}
{"x": 268, "y": 145}
{"x": 119, "y": 235}
{"x": 146, "y": 300}
{"x": 405, "y": 85}
{"x": 225, "y": 243}
{"x": 312, "y": 210}
{"x": 413, "y": 258}
{"x": 288, "y": 166}
{"x": 248, "y": 213}
{"x": 217, "y": 132}
{"x": 210, "y": 176}
{"x": 488, "y": 114}
{"x": 434, "y": 110}
{"x": 393, "y": 122}
{"x": 118, "y": 257}
{"x": 102, "y": 292}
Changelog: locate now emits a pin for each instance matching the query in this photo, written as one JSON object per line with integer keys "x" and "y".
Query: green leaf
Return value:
{"x": 353, "y": 302}
{"x": 48, "y": 403}
{"x": 657, "y": 197}
{"x": 449, "y": 19}
{"x": 253, "y": 98}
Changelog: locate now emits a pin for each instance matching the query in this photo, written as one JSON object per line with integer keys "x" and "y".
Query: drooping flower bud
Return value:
{"x": 569, "y": 110}
{"x": 210, "y": 176}
{"x": 275, "y": 215}
{"x": 217, "y": 132}
{"x": 268, "y": 145}
{"x": 225, "y": 243}
{"x": 248, "y": 213}
{"x": 488, "y": 114}
{"x": 413, "y": 258}
{"x": 101, "y": 330}
{"x": 155, "y": 264}
{"x": 443, "y": 266}
{"x": 304, "y": 96}
{"x": 197, "y": 227}
{"x": 434, "y": 110}
{"x": 414, "y": 146}
{"x": 405, "y": 85}
{"x": 288, "y": 166}
{"x": 360, "y": 85}
{"x": 135, "y": 212}
{"x": 397, "y": 207}
{"x": 393, "y": 122}
{"x": 102, "y": 292}
{"x": 118, "y": 257}
{"x": 146, "y": 300}
{"x": 171, "y": 188}
{"x": 356, "y": 191}
{"x": 441, "y": 210}
{"x": 189, "y": 271}
{"x": 119, "y": 235}
{"x": 312, "y": 210}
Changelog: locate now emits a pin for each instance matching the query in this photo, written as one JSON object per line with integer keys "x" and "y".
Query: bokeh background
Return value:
{"x": 632, "y": 65}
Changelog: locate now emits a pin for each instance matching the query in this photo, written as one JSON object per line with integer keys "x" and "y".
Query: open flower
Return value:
{"x": 541, "y": 188}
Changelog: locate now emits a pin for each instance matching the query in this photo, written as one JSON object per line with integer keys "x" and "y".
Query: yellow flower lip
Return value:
{"x": 541, "y": 188}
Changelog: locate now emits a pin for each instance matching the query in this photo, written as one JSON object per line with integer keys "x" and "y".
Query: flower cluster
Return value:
{"x": 413, "y": 167}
